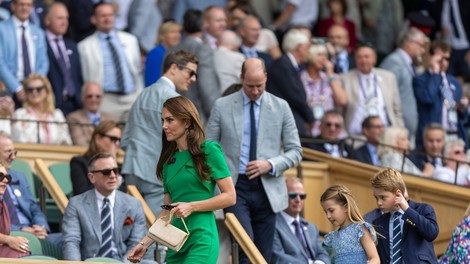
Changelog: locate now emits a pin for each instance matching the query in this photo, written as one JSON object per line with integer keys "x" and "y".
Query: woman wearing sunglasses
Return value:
{"x": 39, "y": 106}
{"x": 105, "y": 138}
{"x": 190, "y": 168}
{"x": 10, "y": 247}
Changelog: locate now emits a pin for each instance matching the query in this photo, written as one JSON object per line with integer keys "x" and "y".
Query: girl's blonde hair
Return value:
{"x": 343, "y": 196}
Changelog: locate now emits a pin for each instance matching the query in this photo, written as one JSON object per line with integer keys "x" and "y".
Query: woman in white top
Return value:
{"x": 39, "y": 106}
{"x": 455, "y": 161}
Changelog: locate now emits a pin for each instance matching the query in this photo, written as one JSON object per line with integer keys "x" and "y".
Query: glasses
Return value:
{"x": 112, "y": 138}
{"x": 458, "y": 152}
{"x": 191, "y": 72}
{"x": 446, "y": 58}
{"x": 376, "y": 126}
{"x": 336, "y": 125}
{"x": 37, "y": 89}
{"x": 107, "y": 172}
{"x": 3, "y": 176}
{"x": 293, "y": 195}
{"x": 418, "y": 43}
{"x": 96, "y": 96}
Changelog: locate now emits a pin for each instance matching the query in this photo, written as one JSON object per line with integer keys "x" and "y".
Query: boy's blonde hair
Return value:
{"x": 389, "y": 180}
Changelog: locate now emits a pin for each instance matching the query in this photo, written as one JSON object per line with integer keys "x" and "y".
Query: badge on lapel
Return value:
{"x": 128, "y": 221}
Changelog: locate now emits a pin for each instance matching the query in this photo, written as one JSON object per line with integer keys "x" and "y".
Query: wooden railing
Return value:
{"x": 51, "y": 184}
{"x": 149, "y": 216}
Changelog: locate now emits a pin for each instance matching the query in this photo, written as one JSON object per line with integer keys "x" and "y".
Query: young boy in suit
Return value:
{"x": 407, "y": 228}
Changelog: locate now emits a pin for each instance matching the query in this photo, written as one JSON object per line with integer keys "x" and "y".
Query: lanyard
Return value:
{"x": 366, "y": 96}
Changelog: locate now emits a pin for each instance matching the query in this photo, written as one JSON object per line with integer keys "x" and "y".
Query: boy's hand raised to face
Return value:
{"x": 400, "y": 201}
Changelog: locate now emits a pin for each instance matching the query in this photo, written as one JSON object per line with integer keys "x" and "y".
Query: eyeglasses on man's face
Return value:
{"x": 190, "y": 71}
{"x": 293, "y": 195}
{"x": 107, "y": 172}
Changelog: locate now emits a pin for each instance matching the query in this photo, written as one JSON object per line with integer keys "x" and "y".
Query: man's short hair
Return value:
{"x": 100, "y": 3}
{"x": 293, "y": 38}
{"x": 4, "y": 134}
{"x": 180, "y": 58}
{"x": 439, "y": 44}
{"x": 192, "y": 21}
{"x": 433, "y": 126}
{"x": 389, "y": 180}
{"x": 333, "y": 113}
{"x": 97, "y": 156}
{"x": 412, "y": 34}
{"x": 367, "y": 121}
{"x": 244, "y": 66}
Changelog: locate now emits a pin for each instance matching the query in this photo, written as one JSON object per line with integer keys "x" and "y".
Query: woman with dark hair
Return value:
{"x": 190, "y": 168}
{"x": 105, "y": 138}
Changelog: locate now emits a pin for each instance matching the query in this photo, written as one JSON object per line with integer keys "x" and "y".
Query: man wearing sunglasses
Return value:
{"x": 297, "y": 241}
{"x": 103, "y": 221}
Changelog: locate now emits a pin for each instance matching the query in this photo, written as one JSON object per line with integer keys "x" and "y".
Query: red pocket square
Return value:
{"x": 128, "y": 221}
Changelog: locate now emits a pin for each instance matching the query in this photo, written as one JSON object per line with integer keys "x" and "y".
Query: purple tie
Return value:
{"x": 300, "y": 237}
{"x": 69, "y": 90}
{"x": 14, "y": 220}
{"x": 24, "y": 48}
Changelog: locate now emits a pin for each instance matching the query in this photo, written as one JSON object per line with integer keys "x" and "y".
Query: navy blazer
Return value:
{"x": 429, "y": 100}
{"x": 362, "y": 154}
{"x": 56, "y": 78}
{"x": 346, "y": 150}
{"x": 26, "y": 201}
{"x": 420, "y": 229}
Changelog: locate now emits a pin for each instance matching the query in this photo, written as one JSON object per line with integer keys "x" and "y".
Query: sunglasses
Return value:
{"x": 293, "y": 195}
{"x": 96, "y": 96}
{"x": 37, "y": 89}
{"x": 191, "y": 72}
{"x": 107, "y": 172}
{"x": 112, "y": 138}
{"x": 336, "y": 125}
{"x": 3, "y": 176}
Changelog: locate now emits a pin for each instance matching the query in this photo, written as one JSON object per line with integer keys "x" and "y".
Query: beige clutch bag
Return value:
{"x": 164, "y": 233}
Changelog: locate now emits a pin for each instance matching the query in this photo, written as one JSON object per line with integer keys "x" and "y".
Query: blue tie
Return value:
{"x": 106, "y": 230}
{"x": 252, "y": 131}
{"x": 396, "y": 244}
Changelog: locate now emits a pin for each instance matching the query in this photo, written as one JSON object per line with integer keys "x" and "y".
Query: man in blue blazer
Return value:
{"x": 12, "y": 69}
{"x": 288, "y": 248}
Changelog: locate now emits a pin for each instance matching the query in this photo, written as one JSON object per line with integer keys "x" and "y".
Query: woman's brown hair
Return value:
{"x": 103, "y": 128}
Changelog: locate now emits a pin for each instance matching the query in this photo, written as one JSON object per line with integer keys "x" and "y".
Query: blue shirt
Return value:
{"x": 373, "y": 154}
{"x": 390, "y": 228}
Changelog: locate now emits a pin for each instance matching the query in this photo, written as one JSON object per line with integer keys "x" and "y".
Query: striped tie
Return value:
{"x": 24, "y": 49}
{"x": 12, "y": 210}
{"x": 106, "y": 230}
{"x": 117, "y": 65}
{"x": 396, "y": 246}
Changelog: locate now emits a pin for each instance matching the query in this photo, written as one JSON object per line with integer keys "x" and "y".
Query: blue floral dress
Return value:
{"x": 346, "y": 244}
{"x": 458, "y": 250}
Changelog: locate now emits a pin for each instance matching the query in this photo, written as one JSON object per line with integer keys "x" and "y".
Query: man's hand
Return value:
{"x": 40, "y": 231}
{"x": 255, "y": 168}
{"x": 435, "y": 64}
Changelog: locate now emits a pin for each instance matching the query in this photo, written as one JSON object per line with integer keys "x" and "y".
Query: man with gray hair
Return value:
{"x": 284, "y": 78}
{"x": 400, "y": 62}
{"x": 456, "y": 169}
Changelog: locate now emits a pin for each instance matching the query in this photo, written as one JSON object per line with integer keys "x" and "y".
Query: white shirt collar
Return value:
{"x": 100, "y": 198}
{"x": 18, "y": 23}
{"x": 292, "y": 60}
{"x": 166, "y": 79}
{"x": 289, "y": 219}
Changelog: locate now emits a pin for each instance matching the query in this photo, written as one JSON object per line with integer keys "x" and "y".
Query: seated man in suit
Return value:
{"x": 372, "y": 129}
{"x": 432, "y": 149}
{"x": 25, "y": 214}
{"x": 102, "y": 222}
{"x": 329, "y": 141}
{"x": 296, "y": 240}
{"x": 249, "y": 30}
{"x": 82, "y": 122}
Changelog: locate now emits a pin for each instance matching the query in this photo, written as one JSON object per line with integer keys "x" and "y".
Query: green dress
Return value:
{"x": 182, "y": 182}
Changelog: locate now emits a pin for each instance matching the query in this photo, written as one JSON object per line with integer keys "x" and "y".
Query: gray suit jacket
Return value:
{"x": 404, "y": 75}
{"x": 142, "y": 137}
{"x": 287, "y": 247}
{"x": 388, "y": 87}
{"x": 81, "y": 134}
{"x": 278, "y": 140}
{"x": 205, "y": 90}
{"x": 81, "y": 227}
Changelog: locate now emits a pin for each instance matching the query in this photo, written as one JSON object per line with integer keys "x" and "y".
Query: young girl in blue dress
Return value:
{"x": 354, "y": 241}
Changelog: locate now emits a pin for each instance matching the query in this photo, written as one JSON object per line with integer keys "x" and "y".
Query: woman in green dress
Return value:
{"x": 190, "y": 168}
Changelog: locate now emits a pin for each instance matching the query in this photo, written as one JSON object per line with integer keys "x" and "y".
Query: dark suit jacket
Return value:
{"x": 419, "y": 231}
{"x": 55, "y": 76}
{"x": 435, "y": 11}
{"x": 429, "y": 99}
{"x": 418, "y": 157}
{"x": 284, "y": 81}
{"x": 372, "y": 215}
{"x": 345, "y": 149}
{"x": 362, "y": 154}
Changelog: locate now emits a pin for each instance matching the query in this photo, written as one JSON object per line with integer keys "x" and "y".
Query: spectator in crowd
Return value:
{"x": 458, "y": 250}
{"x": 215, "y": 23}
{"x": 323, "y": 89}
{"x": 25, "y": 214}
{"x": 227, "y": 60}
{"x": 11, "y": 247}
{"x": 64, "y": 70}
{"x": 145, "y": 125}
{"x": 373, "y": 130}
{"x": 432, "y": 149}
{"x": 456, "y": 169}
{"x": 206, "y": 90}
{"x": 250, "y": 30}
{"x": 338, "y": 43}
{"x": 169, "y": 35}
{"x": 4, "y": 13}
{"x": 38, "y": 121}
{"x": 400, "y": 62}
{"x": 296, "y": 12}
{"x": 7, "y": 108}
{"x": 80, "y": 18}
{"x": 296, "y": 240}
{"x": 102, "y": 222}
{"x": 143, "y": 21}
{"x": 106, "y": 137}
{"x": 23, "y": 49}
{"x": 111, "y": 58}
{"x": 180, "y": 7}
{"x": 329, "y": 140}
{"x": 394, "y": 150}
{"x": 338, "y": 10}
{"x": 82, "y": 122}
{"x": 256, "y": 163}
{"x": 438, "y": 96}
{"x": 370, "y": 91}
{"x": 284, "y": 79}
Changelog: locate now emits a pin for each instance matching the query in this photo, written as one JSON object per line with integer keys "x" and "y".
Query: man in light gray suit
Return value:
{"x": 142, "y": 137}
{"x": 400, "y": 62}
{"x": 102, "y": 222}
{"x": 297, "y": 241}
{"x": 260, "y": 141}
{"x": 206, "y": 90}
